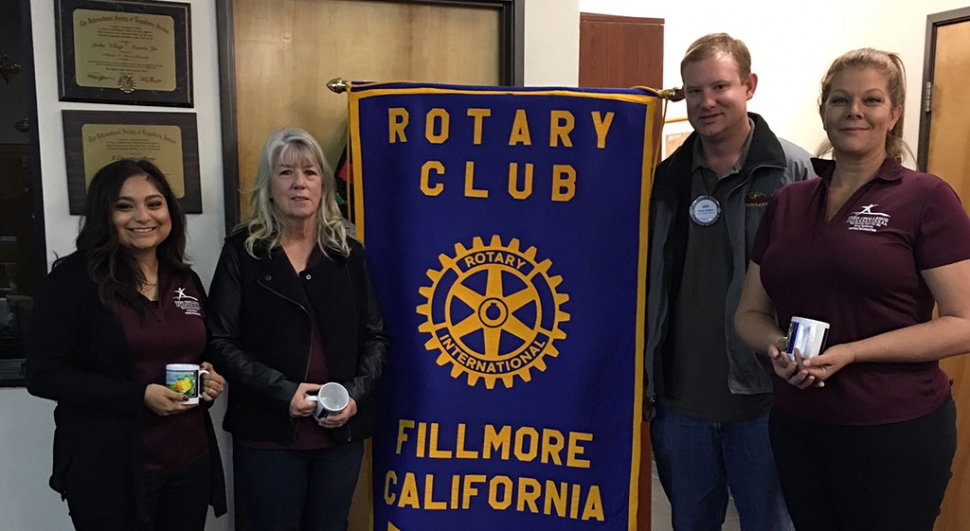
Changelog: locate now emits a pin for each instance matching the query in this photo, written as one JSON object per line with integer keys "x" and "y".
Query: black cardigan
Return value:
{"x": 77, "y": 354}
{"x": 260, "y": 328}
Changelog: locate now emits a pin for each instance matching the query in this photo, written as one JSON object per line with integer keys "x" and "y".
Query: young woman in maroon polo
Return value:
{"x": 129, "y": 454}
{"x": 864, "y": 435}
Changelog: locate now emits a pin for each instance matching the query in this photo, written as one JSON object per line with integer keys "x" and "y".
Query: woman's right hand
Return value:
{"x": 791, "y": 370}
{"x": 163, "y": 401}
{"x": 299, "y": 405}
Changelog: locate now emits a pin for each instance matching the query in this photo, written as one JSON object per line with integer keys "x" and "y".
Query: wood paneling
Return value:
{"x": 625, "y": 52}
{"x": 949, "y": 141}
{"x": 948, "y": 156}
{"x": 286, "y": 52}
{"x": 620, "y": 51}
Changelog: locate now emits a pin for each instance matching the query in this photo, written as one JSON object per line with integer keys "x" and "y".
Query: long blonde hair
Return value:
{"x": 263, "y": 224}
{"x": 890, "y": 65}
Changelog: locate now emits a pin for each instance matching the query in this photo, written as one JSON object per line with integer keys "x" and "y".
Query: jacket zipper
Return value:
{"x": 751, "y": 174}
{"x": 353, "y": 298}
{"x": 306, "y": 369}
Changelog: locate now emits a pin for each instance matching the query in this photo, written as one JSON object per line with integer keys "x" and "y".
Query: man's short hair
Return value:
{"x": 718, "y": 43}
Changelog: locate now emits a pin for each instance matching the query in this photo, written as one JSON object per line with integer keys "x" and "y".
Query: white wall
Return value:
{"x": 792, "y": 44}
{"x": 552, "y": 42}
{"x": 26, "y": 432}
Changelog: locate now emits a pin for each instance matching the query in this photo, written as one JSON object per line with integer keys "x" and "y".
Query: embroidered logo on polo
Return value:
{"x": 187, "y": 303}
{"x": 756, "y": 199}
{"x": 867, "y": 220}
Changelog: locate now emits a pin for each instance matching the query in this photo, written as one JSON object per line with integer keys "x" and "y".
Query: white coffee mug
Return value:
{"x": 806, "y": 335}
{"x": 331, "y": 398}
{"x": 185, "y": 379}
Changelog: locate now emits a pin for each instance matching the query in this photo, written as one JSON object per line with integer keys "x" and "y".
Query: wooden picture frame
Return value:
{"x": 169, "y": 139}
{"x": 124, "y": 51}
{"x": 675, "y": 132}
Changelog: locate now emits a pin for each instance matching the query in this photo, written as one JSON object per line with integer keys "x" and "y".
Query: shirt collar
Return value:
{"x": 891, "y": 169}
{"x": 698, "y": 160}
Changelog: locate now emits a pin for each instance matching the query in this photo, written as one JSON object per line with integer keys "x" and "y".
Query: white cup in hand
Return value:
{"x": 331, "y": 398}
{"x": 808, "y": 336}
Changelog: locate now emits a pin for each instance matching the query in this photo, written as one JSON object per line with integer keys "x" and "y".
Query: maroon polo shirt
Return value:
{"x": 171, "y": 331}
{"x": 860, "y": 272}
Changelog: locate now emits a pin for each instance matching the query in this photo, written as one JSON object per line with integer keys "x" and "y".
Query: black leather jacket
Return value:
{"x": 259, "y": 323}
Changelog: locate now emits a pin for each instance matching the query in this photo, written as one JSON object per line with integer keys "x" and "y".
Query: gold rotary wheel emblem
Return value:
{"x": 493, "y": 312}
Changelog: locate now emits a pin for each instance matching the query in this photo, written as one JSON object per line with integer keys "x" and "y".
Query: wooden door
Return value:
{"x": 287, "y": 50}
{"x": 625, "y": 52}
{"x": 945, "y": 151}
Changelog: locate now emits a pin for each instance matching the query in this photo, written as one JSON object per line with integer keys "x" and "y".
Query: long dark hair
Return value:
{"x": 110, "y": 265}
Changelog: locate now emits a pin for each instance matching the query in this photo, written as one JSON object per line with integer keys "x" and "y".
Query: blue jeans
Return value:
{"x": 697, "y": 460}
{"x": 298, "y": 490}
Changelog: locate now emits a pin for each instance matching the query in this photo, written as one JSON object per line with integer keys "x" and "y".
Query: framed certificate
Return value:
{"x": 117, "y": 51}
{"x": 93, "y": 139}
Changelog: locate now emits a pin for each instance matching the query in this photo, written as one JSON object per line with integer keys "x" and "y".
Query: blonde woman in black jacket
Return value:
{"x": 291, "y": 308}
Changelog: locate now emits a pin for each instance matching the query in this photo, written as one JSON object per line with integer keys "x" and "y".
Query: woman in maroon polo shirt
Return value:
{"x": 129, "y": 453}
{"x": 864, "y": 434}
{"x": 291, "y": 308}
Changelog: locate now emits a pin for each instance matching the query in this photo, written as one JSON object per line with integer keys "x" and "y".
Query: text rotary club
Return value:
{"x": 438, "y": 130}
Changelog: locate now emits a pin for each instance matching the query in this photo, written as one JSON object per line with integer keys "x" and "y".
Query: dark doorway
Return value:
{"x": 22, "y": 249}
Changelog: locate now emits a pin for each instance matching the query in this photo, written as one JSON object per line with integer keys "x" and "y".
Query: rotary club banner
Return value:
{"x": 506, "y": 231}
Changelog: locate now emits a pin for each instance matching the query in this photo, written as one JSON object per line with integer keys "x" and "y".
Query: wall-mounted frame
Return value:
{"x": 675, "y": 132}
{"x": 509, "y": 13}
{"x": 118, "y": 51}
{"x": 168, "y": 139}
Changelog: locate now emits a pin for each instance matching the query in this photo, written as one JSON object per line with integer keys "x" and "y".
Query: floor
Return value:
{"x": 660, "y": 509}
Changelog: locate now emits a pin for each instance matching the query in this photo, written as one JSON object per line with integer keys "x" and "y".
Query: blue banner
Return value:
{"x": 506, "y": 230}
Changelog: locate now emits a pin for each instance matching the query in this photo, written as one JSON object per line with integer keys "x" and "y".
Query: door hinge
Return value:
{"x": 928, "y": 100}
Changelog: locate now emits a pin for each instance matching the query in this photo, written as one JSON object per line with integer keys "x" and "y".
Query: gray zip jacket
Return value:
{"x": 771, "y": 163}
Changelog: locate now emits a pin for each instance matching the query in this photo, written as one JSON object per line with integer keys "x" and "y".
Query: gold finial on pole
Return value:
{"x": 673, "y": 95}
{"x": 337, "y": 85}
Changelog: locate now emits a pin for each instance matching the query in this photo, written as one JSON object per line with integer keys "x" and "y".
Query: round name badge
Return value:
{"x": 705, "y": 210}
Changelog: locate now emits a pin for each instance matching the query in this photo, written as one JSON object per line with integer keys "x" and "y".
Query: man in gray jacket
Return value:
{"x": 710, "y": 393}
